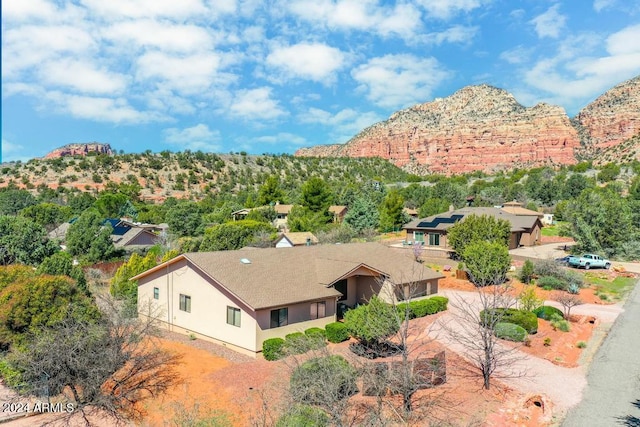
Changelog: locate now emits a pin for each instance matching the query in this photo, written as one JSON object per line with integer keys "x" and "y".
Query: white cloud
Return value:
{"x": 119, "y": 9}
{"x": 255, "y": 104}
{"x": 28, "y": 46}
{"x": 344, "y": 124}
{"x": 550, "y": 23}
{"x": 101, "y": 109}
{"x": 455, "y": 34}
{"x": 599, "y": 5}
{"x": 518, "y": 55}
{"x": 393, "y": 81}
{"x": 281, "y": 138}
{"x": 81, "y": 76}
{"x": 146, "y": 33}
{"x": 313, "y": 61}
{"x": 364, "y": 15}
{"x": 12, "y": 152}
{"x": 624, "y": 41}
{"x": 28, "y": 9}
{"x": 575, "y": 75}
{"x": 189, "y": 74}
{"x": 446, "y": 9}
{"x": 198, "y": 137}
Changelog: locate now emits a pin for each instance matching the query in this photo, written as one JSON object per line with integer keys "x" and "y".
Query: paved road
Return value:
{"x": 556, "y": 250}
{"x": 612, "y": 396}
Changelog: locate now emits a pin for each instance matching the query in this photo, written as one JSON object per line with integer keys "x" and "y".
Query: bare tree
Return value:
{"x": 472, "y": 329}
{"x": 568, "y": 301}
{"x": 102, "y": 368}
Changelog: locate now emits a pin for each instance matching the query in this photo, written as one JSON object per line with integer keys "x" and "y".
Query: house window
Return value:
{"x": 418, "y": 236}
{"x": 156, "y": 293}
{"x": 185, "y": 303}
{"x": 341, "y": 287}
{"x": 233, "y": 316}
{"x": 434, "y": 239}
{"x": 318, "y": 310}
{"x": 279, "y": 317}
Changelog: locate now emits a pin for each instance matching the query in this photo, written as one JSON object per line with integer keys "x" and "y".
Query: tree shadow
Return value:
{"x": 630, "y": 420}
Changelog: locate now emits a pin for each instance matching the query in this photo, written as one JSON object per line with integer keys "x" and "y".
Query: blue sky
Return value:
{"x": 270, "y": 77}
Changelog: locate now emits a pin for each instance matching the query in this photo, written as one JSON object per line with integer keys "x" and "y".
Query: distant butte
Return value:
{"x": 484, "y": 128}
{"x": 80, "y": 149}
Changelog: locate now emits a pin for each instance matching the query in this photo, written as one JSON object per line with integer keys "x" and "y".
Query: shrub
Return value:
{"x": 296, "y": 343}
{"x": 526, "y": 274}
{"x": 558, "y": 322}
{"x": 336, "y": 332}
{"x": 528, "y": 299}
{"x": 546, "y": 312}
{"x": 552, "y": 282}
{"x": 510, "y": 332}
{"x": 573, "y": 289}
{"x": 581, "y": 344}
{"x": 272, "y": 349}
{"x": 547, "y": 342}
{"x": 525, "y": 319}
{"x": 303, "y": 415}
{"x": 323, "y": 381}
{"x": 443, "y": 303}
{"x": 313, "y": 332}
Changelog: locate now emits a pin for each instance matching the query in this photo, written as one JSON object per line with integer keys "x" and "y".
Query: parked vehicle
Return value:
{"x": 588, "y": 261}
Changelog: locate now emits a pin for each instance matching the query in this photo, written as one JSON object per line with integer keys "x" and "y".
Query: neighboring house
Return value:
{"x": 525, "y": 229}
{"x": 241, "y": 298}
{"x": 411, "y": 213}
{"x": 516, "y": 208}
{"x": 240, "y": 214}
{"x": 547, "y": 219}
{"x": 291, "y": 239}
{"x": 282, "y": 214}
{"x": 338, "y": 212}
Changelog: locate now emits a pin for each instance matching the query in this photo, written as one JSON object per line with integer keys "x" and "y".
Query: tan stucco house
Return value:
{"x": 296, "y": 238}
{"x": 432, "y": 231}
{"x": 240, "y": 298}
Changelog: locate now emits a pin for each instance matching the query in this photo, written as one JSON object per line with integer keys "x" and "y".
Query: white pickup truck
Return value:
{"x": 588, "y": 261}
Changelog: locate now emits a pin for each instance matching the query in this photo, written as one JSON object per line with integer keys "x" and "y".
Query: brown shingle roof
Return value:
{"x": 518, "y": 222}
{"x": 298, "y": 238}
{"x": 276, "y": 277}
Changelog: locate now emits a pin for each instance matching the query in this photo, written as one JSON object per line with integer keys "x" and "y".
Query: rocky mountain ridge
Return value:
{"x": 485, "y": 128}
{"x": 80, "y": 149}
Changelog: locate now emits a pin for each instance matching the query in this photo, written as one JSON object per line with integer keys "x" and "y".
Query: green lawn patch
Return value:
{"x": 616, "y": 288}
{"x": 552, "y": 230}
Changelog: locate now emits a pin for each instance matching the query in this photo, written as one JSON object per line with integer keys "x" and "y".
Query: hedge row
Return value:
{"x": 525, "y": 319}
{"x": 336, "y": 332}
{"x": 294, "y": 343}
{"x": 423, "y": 307}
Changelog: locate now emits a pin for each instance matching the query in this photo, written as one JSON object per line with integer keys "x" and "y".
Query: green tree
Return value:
{"x": 575, "y": 184}
{"x": 608, "y": 172}
{"x": 48, "y": 215}
{"x": 123, "y": 288}
{"x": 433, "y": 206}
{"x": 270, "y": 191}
{"x": 80, "y": 202}
{"x": 474, "y": 228}
{"x": 487, "y": 262}
{"x": 233, "y": 235}
{"x": 13, "y": 201}
{"x": 392, "y": 211}
{"x": 185, "y": 219}
{"x": 362, "y": 215}
{"x": 29, "y": 300}
{"x": 264, "y": 214}
{"x": 110, "y": 204}
{"x": 90, "y": 238}
{"x": 601, "y": 221}
{"x": 61, "y": 264}
{"x": 303, "y": 219}
{"x": 23, "y": 241}
{"x": 316, "y": 195}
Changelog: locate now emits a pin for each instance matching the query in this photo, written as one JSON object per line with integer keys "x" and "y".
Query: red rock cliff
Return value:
{"x": 612, "y": 118}
{"x": 80, "y": 149}
{"x": 477, "y": 128}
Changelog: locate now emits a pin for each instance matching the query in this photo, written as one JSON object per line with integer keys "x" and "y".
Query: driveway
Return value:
{"x": 612, "y": 396}
{"x": 563, "y": 386}
{"x": 556, "y": 250}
